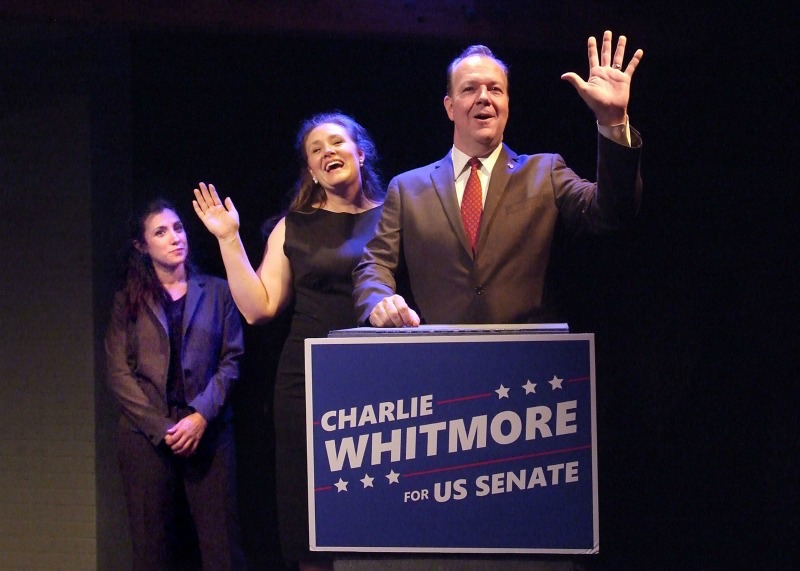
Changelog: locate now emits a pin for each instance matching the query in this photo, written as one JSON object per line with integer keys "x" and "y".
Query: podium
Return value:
{"x": 454, "y": 440}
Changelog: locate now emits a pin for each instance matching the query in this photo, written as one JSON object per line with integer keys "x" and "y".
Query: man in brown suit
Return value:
{"x": 499, "y": 274}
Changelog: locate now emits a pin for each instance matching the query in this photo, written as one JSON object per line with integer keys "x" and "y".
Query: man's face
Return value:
{"x": 478, "y": 106}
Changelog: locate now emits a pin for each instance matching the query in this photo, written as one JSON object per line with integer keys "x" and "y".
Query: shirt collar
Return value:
{"x": 460, "y": 160}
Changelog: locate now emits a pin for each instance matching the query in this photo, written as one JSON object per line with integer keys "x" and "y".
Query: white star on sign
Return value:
{"x": 341, "y": 486}
{"x": 367, "y": 481}
{"x": 502, "y": 392}
{"x": 529, "y": 387}
{"x": 556, "y": 383}
{"x": 393, "y": 477}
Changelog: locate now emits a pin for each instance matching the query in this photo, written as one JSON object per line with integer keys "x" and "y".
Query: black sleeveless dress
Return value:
{"x": 323, "y": 248}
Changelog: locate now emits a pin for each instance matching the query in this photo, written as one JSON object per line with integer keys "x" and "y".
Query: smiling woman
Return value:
{"x": 324, "y": 141}
{"x": 309, "y": 258}
{"x": 334, "y": 161}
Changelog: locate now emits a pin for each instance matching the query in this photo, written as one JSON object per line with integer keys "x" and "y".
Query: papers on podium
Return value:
{"x": 461, "y": 329}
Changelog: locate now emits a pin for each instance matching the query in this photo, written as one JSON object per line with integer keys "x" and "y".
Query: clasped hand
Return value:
{"x": 184, "y": 437}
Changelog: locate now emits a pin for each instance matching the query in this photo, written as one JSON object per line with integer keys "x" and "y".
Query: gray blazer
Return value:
{"x": 421, "y": 239}
{"x": 138, "y": 357}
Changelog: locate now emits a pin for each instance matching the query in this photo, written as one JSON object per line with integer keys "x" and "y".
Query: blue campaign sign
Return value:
{"x": 470, "y": 444}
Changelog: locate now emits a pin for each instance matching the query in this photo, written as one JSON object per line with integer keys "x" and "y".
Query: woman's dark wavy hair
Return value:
{"x": 307, "y": 194}
{"x": 141, "y": 281}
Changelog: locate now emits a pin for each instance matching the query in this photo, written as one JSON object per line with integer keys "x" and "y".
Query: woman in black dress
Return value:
{"x": 309, "y": 259}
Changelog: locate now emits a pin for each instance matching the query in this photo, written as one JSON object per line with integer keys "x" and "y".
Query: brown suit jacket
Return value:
{"x": 137, "y": 357}
{"x": 420, "y": 248}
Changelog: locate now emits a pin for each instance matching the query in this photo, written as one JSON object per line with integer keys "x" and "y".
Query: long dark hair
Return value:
{"x": 306, "y": 193}
{"x": 141, "y": 281}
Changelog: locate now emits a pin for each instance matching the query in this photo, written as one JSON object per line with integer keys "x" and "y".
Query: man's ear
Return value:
{"x": 448, "y": 106}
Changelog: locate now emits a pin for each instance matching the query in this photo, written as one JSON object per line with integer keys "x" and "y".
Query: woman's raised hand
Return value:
{"x": 222, "y": 220}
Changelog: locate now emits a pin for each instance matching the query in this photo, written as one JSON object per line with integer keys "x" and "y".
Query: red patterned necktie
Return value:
{"x": 472, "y": 203}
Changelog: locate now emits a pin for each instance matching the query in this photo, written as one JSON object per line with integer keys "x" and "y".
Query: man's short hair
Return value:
{"x": 476, "y": 50}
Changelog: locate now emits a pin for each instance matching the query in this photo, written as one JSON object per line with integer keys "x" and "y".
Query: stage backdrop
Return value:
{"x": 481, "y": 443}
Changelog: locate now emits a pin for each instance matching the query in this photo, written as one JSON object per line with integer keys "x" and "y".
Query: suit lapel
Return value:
{"x": 503, "y": 169}
{"x": 443, "y": 179}
{"x": 194, "y": 292}
{"x": 158, "y": 311}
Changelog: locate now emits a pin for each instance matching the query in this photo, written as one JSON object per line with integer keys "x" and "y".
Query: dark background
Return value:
{"x": 692, "y": 306}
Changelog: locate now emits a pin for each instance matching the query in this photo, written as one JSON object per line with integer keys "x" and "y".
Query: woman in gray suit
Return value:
{"x": 173, "y": 349}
